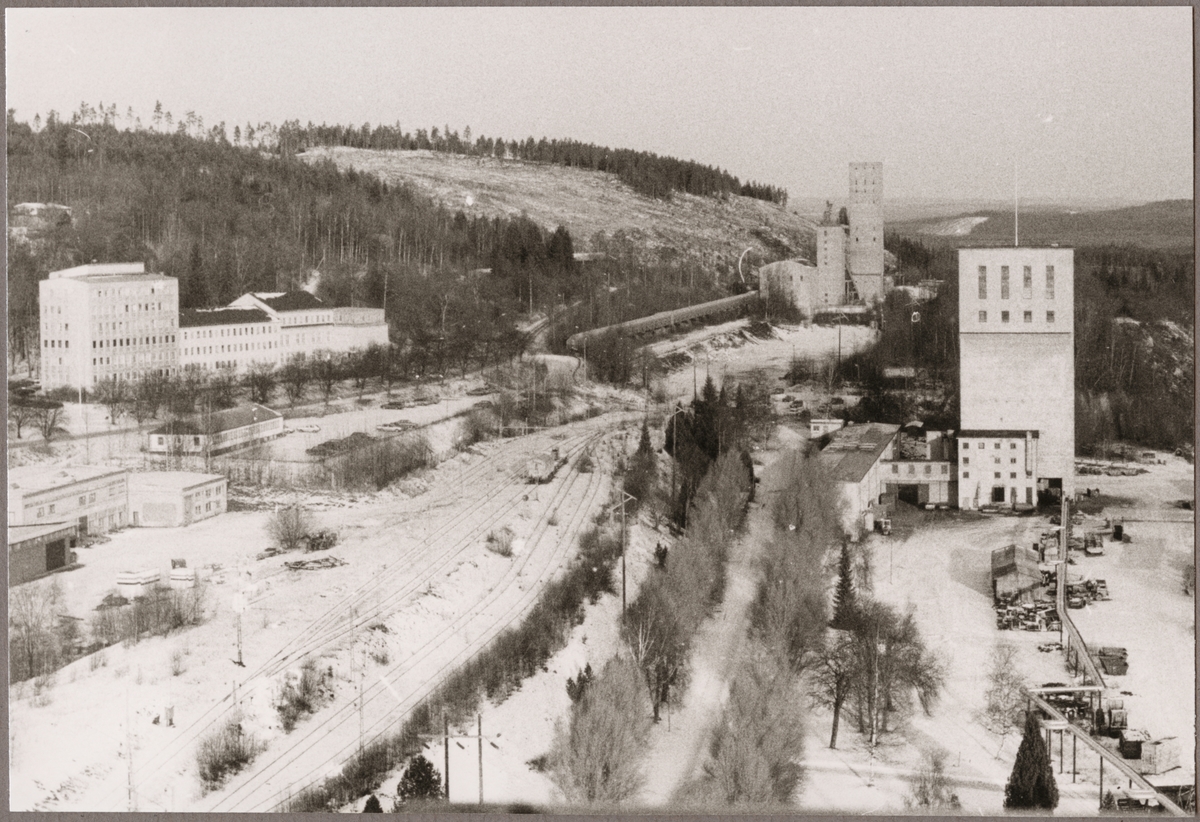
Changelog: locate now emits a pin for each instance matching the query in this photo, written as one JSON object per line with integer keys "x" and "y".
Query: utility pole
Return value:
{"x": 446, "y": 730}
{"x": 129, "y": 754}
{"x": 446, "y": 737}
{"x": 479, "y": 718}
{"x": 625, "y": 498}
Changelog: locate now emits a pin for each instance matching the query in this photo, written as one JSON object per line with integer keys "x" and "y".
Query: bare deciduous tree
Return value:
{"x": 48, "y": 419}
{"x": 1005, "y": 709}
{"x": 289, "y": 526}
{"x": 261, "y": 378}
{"x": 597, "y": 753}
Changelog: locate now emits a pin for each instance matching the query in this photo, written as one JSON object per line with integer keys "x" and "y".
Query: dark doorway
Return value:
{"x": 998, "y": 493}
{"x": 56, "y": 554}
{"x": 909, "y": 493}
{"x": 83, "y": 526}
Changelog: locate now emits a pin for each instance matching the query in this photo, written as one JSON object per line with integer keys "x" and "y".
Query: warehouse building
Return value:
{"x": 171, "y": 499}
{"x": 217, "y": 432}
{"x": 855, "y": 461}
{"x": 94, "y": 498}
{"x": 37, "y": 550}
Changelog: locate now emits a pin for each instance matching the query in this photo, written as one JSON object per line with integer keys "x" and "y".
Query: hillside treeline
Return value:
{"x": 643, "y": 171}
{"x": 1134, "y": 325}
{"x": 225, "y": 220}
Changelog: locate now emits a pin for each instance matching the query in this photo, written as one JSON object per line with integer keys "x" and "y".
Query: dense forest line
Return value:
{"x": 225, "y": 219}
{"x": 1134, "y": 372}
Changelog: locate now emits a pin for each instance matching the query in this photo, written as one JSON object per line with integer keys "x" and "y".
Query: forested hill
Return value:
{"x": 226, "y": 218}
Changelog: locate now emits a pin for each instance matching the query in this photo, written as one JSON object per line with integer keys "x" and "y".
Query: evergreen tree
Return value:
{"x": 372, "y": 805}
{"x": 844, "y": 605}
{"x": 420, "y": 781}
{"x": 1031, "y": 784}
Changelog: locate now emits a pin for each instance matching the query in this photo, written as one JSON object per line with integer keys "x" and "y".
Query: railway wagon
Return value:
{"x": 666, "y": 319}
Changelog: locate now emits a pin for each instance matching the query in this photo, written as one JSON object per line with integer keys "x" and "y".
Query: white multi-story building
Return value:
{"x": 1017, "y": 373}
{"x": 232, "y": 338}
{"x": 305, "y": 322}
{"x": 357, "y": 327}
{"x": 107, "y": 321}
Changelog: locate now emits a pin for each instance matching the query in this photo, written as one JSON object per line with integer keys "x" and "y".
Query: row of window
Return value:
{"x": 234, "y": 331}
{"x": 1011, "y": 475}
{"x": 56, "y": 343}
{"x": 1026, "y": 282}
{"x": 967, "y": 461}
{"x": 123, "y": 342}
{"x": 1004, "y": 316}
{"x": 984, "y": 445}
{"x": 912, "y": 469}
{"x": 229, "y": 349}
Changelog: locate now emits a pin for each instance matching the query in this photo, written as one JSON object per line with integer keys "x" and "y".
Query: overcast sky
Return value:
{"x": 1095, "y": 102}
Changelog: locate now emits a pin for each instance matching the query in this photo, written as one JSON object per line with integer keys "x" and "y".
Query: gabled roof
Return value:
{"x": 193, "y": 318}
{"x": 219, "y": 421}
{"x": 854, "y": 449}
{"x": 291, "y": 301}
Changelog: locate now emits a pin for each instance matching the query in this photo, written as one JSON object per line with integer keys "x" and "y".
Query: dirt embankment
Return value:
{"x": 587, "y": 203}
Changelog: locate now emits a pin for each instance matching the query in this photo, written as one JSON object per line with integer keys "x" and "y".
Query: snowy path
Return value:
{"x": 675, "y": 755}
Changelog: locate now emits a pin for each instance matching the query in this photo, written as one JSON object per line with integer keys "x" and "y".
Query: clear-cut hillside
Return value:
{"x": 587, "y": 202}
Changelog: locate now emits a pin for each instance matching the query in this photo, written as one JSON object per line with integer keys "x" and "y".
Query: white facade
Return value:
{"x": 355, "y": 328}
{"x": 1017, "y": 364}
{"x": 790, "y": 280}
{"x": 831, "y": 264}
{"x": 95, "y": 499}
{"x": 100, "y": 322}
{"x": 997, "y": 468}
{"x": 228, "y": 338}
{"x": 170, "y": 499}
{"x": 305, "y": 323}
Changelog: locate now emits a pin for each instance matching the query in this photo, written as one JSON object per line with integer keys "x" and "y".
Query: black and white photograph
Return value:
{"x": 601, "y": 410}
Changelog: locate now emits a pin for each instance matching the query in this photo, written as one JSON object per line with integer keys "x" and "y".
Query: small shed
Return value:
{"x": 1159, "y": 755}
{"x": 1014, "y": 571}
{"x": 36, "y": 550}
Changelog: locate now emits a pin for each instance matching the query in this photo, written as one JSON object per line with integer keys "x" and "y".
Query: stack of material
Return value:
{"x": 134, "y": 584}
{"x": 1113, "y": 661}
{"x": 1014, "y": 571}
{"x": 1159, "y": 755}
{"x": 1131, "y": 743}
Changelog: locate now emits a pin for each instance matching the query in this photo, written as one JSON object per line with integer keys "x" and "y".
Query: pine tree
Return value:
{"x": 844, "y": 604}
{"x": 372, "y": 805}
{"x": 421, "y": 780}
{"x": 1031, "y": 784}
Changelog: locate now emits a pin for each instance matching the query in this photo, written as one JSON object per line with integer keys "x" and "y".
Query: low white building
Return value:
{"x": 357, "y": 328}
{"x": 854, "y": 461}
{"x": 94, "y": 498}
{"x": 170, "y": 499}
{"x": 234, "y": 338}
{"x": 997, "y": 467}
{"x": 217, "y": 432}
{"x": 305, "y": 321}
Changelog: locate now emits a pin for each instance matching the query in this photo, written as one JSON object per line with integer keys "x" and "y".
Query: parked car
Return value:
{"x": 307, "y": 429}
{"x": 398, "y": 425}
{"x": 1076, "y": 602}
{"x": 394, "y": 405}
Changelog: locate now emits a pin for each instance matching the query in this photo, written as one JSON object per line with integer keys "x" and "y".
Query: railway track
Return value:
{"x": 335, "y": 738}
{"x": 387, "y": 593}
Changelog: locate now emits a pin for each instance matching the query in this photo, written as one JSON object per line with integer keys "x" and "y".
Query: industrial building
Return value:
{"x": 855, "y": 460}
{"x": 115, "y": 321}
{"x": 110, "y": 321}
{"x": 37, "y": 550}
{"x": 170, "y": 499}
{"x": 1017, "y": 375}
{"x": 851, "y": 262}
{"x": 217, "y": 432}
{"x": 94, "y": 498}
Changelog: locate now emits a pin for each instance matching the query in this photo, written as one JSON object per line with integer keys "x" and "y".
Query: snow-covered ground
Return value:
{"x": 943, "y": 571}
{"x": 418, "y": 567}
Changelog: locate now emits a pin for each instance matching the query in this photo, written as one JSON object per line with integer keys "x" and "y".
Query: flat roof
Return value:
{"x": 993, "y": 433}
{"x": 852, "y": 450}
{"x": 181, "y": 480}
{"x": 35, "y": 478}
{"x": 24, "y": 533}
